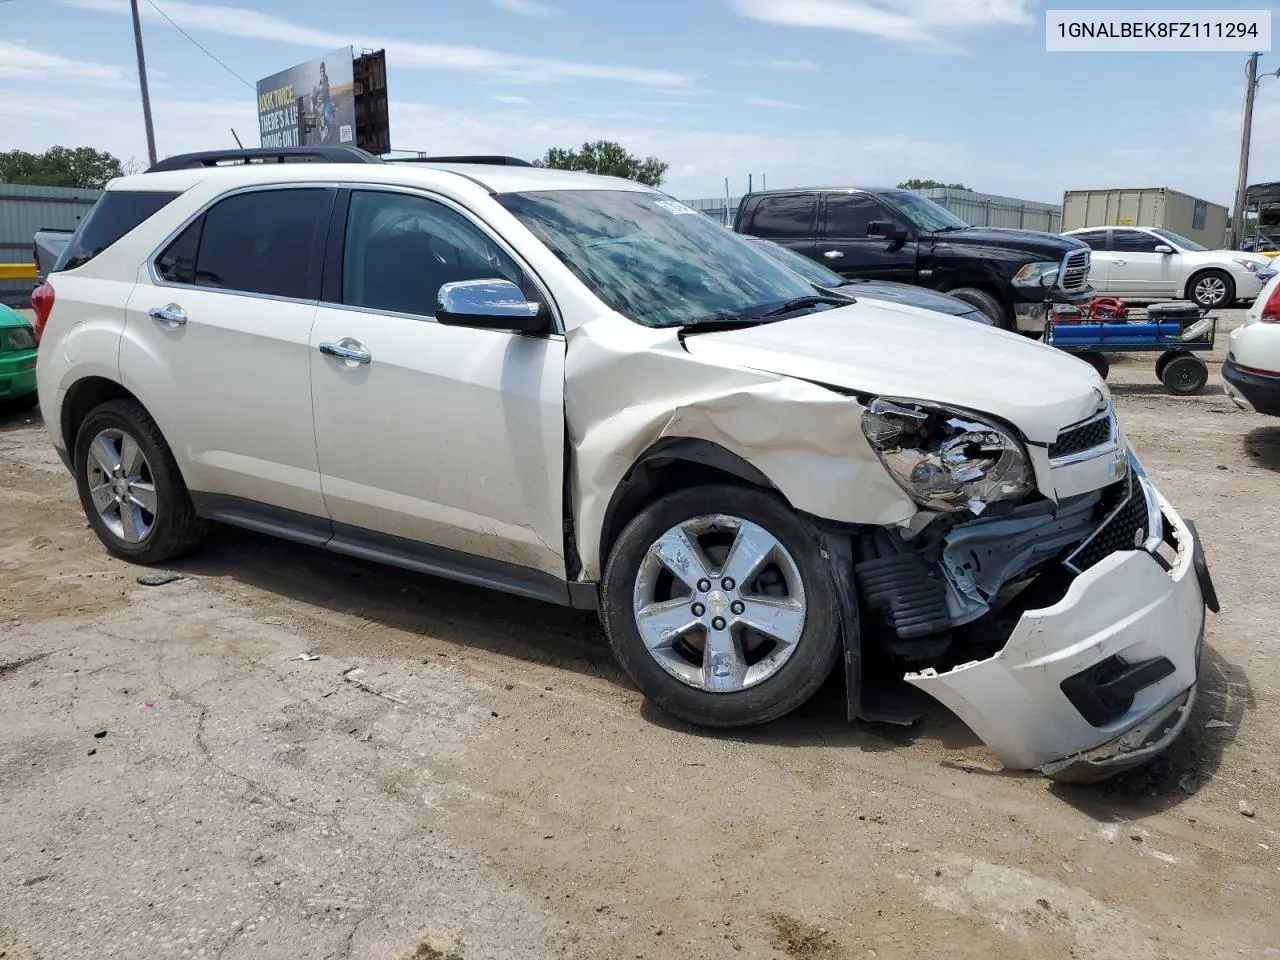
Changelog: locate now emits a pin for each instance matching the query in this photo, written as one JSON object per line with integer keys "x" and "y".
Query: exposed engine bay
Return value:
{"x": 958, "y": 571}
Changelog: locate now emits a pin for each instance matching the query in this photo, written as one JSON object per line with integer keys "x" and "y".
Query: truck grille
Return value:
{"x": 1075, "y": 270}
{"x": 1127, "y": 527}
{"x": 1098, "y": 431}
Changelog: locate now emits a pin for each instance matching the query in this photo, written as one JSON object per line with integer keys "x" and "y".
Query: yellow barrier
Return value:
{"x": 18, "y": 271}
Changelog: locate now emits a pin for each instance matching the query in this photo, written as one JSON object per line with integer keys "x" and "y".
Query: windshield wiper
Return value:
{"x": 728, "y": 321}
{"x": 811, "y": 300}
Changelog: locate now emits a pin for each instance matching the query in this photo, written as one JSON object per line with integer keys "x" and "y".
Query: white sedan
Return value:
{"x": 1151, "y": 263}
{"x": 1252, "y": 368}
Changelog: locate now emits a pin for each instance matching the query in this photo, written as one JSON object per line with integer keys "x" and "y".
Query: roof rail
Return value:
{"x": 215, "y": 158}
{"x": 493, "y": 161}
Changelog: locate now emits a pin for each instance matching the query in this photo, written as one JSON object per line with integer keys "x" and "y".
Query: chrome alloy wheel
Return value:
{"x": 121, "y": 485}
{"x": 1211, "y": 291}
{"x": 719, "y": 603}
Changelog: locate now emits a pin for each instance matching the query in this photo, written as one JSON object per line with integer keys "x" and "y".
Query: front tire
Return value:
{"x": 992, "y": 308}
{"x": 718, "y": 606}
{"x": 130, "y": 486}
{"x": 1211, "y": 288}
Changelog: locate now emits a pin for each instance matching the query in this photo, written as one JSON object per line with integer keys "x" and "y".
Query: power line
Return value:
{"x": 203, "y": 49}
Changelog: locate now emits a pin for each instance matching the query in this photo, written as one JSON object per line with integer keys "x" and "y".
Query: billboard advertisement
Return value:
{"x": 312, "y": 103}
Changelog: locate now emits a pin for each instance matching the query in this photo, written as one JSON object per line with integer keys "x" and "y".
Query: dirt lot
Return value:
{"x": 463, "y": 775}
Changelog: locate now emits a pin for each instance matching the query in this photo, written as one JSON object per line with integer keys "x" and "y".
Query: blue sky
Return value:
{"x": 805, "y": 91}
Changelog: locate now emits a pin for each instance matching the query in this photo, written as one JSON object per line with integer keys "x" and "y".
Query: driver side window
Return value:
{"x": 401, "y": 249}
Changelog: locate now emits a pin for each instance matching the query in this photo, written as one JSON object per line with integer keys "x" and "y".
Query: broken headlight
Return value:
{"x": 947, "y": 459}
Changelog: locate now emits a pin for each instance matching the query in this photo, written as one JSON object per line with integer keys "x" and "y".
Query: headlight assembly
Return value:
{"x": 21, "y": 338}
{"x": 1037, "y": 275}
{"x": 1249, "y": 265}
{"x": 947, "y": 459}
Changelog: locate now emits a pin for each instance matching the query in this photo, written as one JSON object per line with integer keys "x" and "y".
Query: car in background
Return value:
{"x": 1151, "y": 263}
{"x": 1263, "y": 246}
{"x": 47, "y": 247}
{"x": 1252, "y": 368}
{"x": 17, "y": 362}
{"x": 873, "y": 233}
{"x": 831, "y": 282}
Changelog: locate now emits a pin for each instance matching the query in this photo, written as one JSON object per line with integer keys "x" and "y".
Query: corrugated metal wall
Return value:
{"x": 979, "y": 209}
{"x": 992, "y": 210}
{"x": 23, "y": 211}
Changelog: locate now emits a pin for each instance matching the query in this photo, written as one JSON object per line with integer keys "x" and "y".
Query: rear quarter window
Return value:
{"x": 116, "y": 213}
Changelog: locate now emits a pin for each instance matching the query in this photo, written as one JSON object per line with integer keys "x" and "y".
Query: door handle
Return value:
{"x": 348, "y": 349}
{"x": 1121, "y": 263}
{"x": 171, "y": 314}
{"x": 834, "y": 255}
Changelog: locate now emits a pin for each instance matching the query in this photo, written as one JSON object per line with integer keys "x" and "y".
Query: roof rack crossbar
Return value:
{"x": 492, "y": 161}
{"x": 215, "y": 158}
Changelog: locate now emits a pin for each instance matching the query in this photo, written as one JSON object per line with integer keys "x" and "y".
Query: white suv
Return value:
{"x": 577, "y": 389}
{"x": 1150, "y": 263}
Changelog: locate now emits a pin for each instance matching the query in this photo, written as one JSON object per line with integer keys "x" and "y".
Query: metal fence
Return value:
{"x": 979, "y": 209}
{"x": 23, "y": 211}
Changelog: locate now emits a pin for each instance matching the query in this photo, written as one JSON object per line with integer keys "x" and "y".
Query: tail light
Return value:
{"x": 42, "y": 304}
{"x": 1271, "y": 312}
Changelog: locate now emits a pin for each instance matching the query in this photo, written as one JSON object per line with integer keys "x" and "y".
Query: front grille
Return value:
{"x": 1125, "y": 528}
{"x": 1075, "y": 270}
{"x": 1097, "y": 431}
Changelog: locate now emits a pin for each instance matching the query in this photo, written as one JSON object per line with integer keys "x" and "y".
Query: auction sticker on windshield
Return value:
{"x": 675, "y": 206}
{"x": 1136, "y": 31}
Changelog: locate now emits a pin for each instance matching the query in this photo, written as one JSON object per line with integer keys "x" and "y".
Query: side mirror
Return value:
{"x": 489, "y": 305}
{"x": 1163, "y": 248}
{"x": 884, "y": 230}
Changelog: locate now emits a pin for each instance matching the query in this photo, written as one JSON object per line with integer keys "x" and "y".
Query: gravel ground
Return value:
{"x": 286, "y": 754}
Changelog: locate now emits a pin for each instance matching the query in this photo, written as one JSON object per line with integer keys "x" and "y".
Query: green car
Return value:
{"x": 17, "y": 362}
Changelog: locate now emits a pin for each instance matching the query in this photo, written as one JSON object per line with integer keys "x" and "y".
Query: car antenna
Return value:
{"x": 237, "y": 139}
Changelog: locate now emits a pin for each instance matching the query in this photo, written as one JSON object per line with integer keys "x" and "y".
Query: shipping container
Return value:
{"x": 23, "y": 211}
{"x": 1199, "y": 220}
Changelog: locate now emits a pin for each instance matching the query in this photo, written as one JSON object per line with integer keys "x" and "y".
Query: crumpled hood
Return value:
{"x": 894, "y": 350}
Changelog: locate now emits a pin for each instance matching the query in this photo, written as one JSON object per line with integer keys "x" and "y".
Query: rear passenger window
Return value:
{"x": 116, "y": 213}
{"x": 402, "y": 249}
{"x": 1097, "y": 239}
{"x": 784, "y": 217}
{"x": 264, "y": 241}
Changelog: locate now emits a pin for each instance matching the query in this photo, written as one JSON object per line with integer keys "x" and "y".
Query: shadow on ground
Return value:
{"x": 1262, "y": 447}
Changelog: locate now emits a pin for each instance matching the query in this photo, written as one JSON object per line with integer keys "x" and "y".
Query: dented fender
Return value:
{"x": 628, "y": 387}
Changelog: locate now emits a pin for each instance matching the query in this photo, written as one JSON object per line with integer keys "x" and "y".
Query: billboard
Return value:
{"x": 312, "y": 103}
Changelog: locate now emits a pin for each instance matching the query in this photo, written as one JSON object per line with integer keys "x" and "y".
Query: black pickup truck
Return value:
{"x": 1013, "y": 276}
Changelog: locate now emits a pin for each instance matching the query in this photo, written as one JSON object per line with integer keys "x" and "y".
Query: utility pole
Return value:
{"x": 1237, "y": 212}
{"x": 142, "y": 82}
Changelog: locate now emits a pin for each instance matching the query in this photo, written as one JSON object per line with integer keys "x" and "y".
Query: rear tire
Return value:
{"x": 130, "y": 486}
{"x": 986, "y": 303}
{"x": 704, "y": 662}
{"x": 1184, "y": 375}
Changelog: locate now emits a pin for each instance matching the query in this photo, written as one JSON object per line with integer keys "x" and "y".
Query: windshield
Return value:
{"x": 923, "y": 212}
{"x": 815, "y": 273}
{"x": 653, "y": 259}
{"x": 1180, "y": 241}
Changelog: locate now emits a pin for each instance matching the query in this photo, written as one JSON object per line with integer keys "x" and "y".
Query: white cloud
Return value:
{"x": 767, "y": 102}
{"x": 404, "y": 54}
{"x": 515, "y": 101}
{"x": 926, "y": 23}
{"x": 791, "y": 64}
{"x": 19, "y": 62}
{"x": 527, "y": 8}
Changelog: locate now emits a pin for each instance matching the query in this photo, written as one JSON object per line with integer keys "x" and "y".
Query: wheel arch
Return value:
{"x": 671, "y": 464}
{"x": 81, "y": 397}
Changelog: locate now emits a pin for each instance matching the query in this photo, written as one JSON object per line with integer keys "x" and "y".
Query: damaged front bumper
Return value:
{"x": 1104, "y": 679}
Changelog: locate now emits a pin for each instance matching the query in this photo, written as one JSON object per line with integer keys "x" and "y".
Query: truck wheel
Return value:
{"x": 130, "y": 486}
{"x": 989, "y": 305}
{"x": 1184, "y": 375}
{"x": 1211, "y": 288}
{"x": 719, "y": 607}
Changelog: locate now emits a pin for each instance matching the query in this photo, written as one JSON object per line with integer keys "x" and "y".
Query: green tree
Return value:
{"x": 608, "y": 158}
{"x": 59, "y": 167}
{"x": 928, "y": 184}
